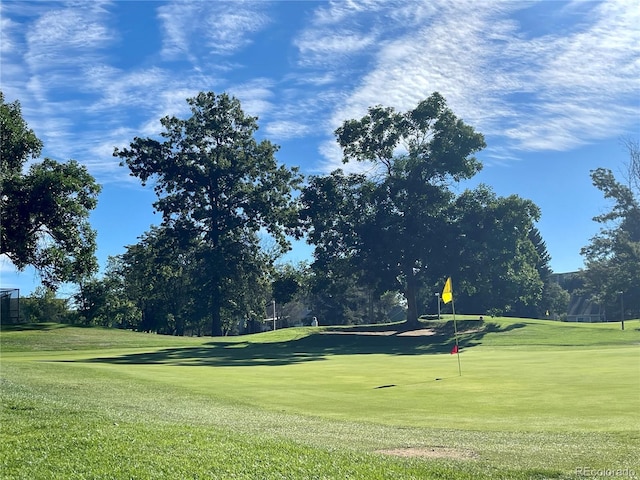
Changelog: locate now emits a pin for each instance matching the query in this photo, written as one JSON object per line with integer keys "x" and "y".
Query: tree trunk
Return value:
{"x": 410, "y": 295}
{"x": 180, "y": 327}
{"x": 215, "y": 298}
{"x": 216, "y": 321}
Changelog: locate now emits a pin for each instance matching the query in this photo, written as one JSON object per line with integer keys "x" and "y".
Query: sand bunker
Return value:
{"x": 423, "y": 332}
{"x": 430, "y": 452}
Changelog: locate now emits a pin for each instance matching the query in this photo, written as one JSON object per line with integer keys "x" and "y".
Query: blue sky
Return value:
{"x": 554, "y": 87}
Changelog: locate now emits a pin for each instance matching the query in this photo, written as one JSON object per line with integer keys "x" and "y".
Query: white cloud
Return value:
{"x": 9, "y": 30}
{"x": 530, "y": 85}
{"x": 6, "y": 265}
{"x": 332, "y": 155}
{"x": 67, "y": 36}
{"x": 545, "y": 92}
{"x": 582, "y": 83}
{"x": 338, "y": 31}
{"x": 228, "y": 29}
{"x": 340, "y": 11}
{"x": 255, "y": 96}
{"x": 316, "y": 46}
{"x": 281, "y": 130}
{"x": 222, "y": 28}
{"x": 117, "y": 88}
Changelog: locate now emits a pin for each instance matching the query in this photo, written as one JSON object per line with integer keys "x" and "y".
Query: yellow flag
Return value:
{"x": 447, "y": 292}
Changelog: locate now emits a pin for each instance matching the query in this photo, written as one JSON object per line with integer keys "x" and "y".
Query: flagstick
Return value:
{"x": 455, "y": 329}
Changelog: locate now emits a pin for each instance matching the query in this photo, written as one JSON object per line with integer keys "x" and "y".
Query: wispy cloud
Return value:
{"x": 340, "y": 32}
{"x": 549, "y": 84}
{"x": 67, "y": 37}
{"x": 8, "y": 32}
{"x": 256, "y": 96}
{"x": 539, "y": 92}
{"x": 193, "y": 29}
{"x": 286, "y": 130}
{"x": 586, "y": 81}
{"x": 317, "y": 47}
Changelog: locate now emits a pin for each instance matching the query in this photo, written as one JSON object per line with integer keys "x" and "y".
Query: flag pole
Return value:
{"x": 455, "y": 330}
{"x": 447, "y": 296}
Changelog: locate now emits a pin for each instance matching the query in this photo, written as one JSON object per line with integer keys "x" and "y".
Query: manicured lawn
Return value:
{"x": 536, "y": 399}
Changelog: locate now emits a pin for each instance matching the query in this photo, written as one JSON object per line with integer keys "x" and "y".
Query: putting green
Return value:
{"x": 533, "y": 395}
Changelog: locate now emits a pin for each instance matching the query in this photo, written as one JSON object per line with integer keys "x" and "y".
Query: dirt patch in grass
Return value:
{"x": 423, "y": 332}
{"x": 384, "y": 333}
{"x": 430, "y": 452}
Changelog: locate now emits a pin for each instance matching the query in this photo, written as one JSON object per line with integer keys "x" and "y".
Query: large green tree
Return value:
{"x": 160, "y": 275}
{"x": 390, "y": 221}
{"x": 402, "y": 227}
{"x": 45, "y": 210}
{"x": 612, "y": 258}
{"x": 216, "y": 183}
{"x": 497, "y": 262}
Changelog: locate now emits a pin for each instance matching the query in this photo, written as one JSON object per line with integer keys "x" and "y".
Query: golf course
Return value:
{"x": 523, "y": 399}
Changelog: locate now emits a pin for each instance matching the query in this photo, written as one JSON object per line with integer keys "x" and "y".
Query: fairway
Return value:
{"x": 535, "y": 399}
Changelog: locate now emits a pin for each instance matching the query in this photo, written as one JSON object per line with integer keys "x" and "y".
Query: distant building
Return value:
{"x": 580, "y": 309}
{"x": 583, "y": 310}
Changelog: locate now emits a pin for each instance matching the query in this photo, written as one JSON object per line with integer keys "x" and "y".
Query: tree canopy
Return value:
{"x": 612, "y": 257}
{"x": 45, "y": 211}
{"x": 497, "y": 264}
{"x": 216, "y": 184}
{"x": 403, "y": 228}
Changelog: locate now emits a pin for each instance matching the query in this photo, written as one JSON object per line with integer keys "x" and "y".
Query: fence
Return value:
{"x": 9, "y": 305}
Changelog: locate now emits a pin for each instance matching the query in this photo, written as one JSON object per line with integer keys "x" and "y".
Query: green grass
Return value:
{"x": 536, "y": 399}
{"x": 61, "y": 337}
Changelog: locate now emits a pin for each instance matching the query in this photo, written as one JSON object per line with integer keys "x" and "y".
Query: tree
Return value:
{"x": 544, "y": 259}
{"x": 216, "y": 183}
{"x": 286, "y": 282}
{"x": 633, "y": 165}
{"x": 91, "y": 301}
{"x": 44, "y": 212}
{"x": 105, "y": 301}
{"x": 612, "y": 258}
{"x": 403, "y": 227}
{"x": 43, "y": 306}
{"x": 161, "y": 275}
{"x": 555, "y": 300}
{"x": 496, "y": 263}
{"x": 390, "y": 224}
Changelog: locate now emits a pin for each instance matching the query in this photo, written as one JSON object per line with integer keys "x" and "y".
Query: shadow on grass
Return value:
{"x": 27, "y": 327}
{"x": 431, "y": 339}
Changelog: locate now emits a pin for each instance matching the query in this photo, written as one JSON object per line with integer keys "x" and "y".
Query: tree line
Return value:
{"x": 384, "y": 240}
